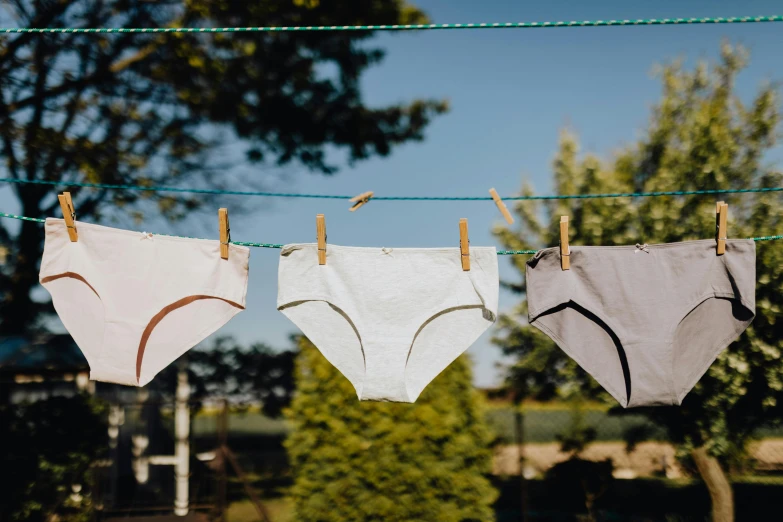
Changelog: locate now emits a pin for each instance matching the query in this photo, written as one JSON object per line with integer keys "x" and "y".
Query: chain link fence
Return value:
{"x": 550, "y": 434}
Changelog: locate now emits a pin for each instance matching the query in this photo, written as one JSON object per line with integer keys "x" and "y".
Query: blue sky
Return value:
{"x": 511, "y": 91}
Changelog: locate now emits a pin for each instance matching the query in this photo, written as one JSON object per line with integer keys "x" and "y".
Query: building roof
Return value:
{"x": 40, "y": 353}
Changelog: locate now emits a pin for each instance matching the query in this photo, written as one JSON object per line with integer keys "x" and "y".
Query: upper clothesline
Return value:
{"x": 153, "y": 188}
{"x": 401, "y": 27}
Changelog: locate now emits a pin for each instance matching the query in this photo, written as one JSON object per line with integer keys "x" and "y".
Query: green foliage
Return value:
{"x": 47, "y": 447}
{"x": 700, "y": 136}
{"x": 362, "y": 461}
{"x": 163, "y": 109}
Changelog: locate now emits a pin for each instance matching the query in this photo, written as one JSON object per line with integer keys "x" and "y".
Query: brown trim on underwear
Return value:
{"x": 72, "y": 275}
{"x": 163, "y": 313}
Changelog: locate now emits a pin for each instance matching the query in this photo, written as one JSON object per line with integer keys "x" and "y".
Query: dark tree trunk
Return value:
{"x": 718, "y": 485}
{"x": 19, "y": 313}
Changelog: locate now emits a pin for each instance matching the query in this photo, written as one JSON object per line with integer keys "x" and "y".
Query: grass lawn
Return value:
{"x": 280, "y": 510}
{"x": 656, "y": 499}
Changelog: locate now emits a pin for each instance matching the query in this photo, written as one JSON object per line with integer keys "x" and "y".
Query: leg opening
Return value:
{"x": 439, "y": 341}
{"x": 589, "y": 341}
{"x": 335, "y": 335}
{"x": 174, "y": 338}
{"x": 81, "y": 310}
{"x": 70, "y": 275}
{"x": 700, "y": 337}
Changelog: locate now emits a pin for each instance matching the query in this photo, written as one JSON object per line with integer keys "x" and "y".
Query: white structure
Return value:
{"x": 182, "y": 450}
{"x": 181, "y": 458}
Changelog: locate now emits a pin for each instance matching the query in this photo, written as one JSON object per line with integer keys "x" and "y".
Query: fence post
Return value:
{"x": 222, "y": 433}
{"x": 182, "y": 434}
{"x": 520, "y": 439}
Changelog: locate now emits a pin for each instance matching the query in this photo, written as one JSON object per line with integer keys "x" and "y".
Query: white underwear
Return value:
{"x": 131, "y": 297}
{"x": 389, "y": 319}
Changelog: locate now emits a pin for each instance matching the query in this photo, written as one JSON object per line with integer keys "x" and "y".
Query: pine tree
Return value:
{"x": 362, "y": 461}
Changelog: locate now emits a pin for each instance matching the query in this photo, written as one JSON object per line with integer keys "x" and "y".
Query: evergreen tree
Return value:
{"x": 700, "y": 136}
{"x": 362, "y": 461}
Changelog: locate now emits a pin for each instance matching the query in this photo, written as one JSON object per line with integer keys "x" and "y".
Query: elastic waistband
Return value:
{"x": 655, "y": 246}
{"x": 122, "y": 231}
{"x": 384, "y": 250}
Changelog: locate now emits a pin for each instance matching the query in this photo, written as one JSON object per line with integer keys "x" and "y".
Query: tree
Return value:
{"x": 152, "y": 109}
{"x": 700, "y": 136}
{"x": 47, "y": 448}
{"x": 356, "y": 461}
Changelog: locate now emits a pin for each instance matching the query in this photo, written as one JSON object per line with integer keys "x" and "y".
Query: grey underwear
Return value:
{"x": 646, "y": 321}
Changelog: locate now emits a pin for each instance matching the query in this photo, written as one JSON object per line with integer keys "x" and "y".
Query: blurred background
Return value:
{"x": 254, "y": 424}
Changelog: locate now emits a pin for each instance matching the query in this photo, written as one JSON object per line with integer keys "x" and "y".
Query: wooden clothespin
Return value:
{"x": 721, "y": 218}
{"x": 320, "y": 229}
{"x": 69, "y": 214}
{"x": 464, "y": 244}
{"x": 565, "y": 250}
{"x": 225, "y": 232}
{"x": 501, "y": 206}
{"x": 360, "y": 200}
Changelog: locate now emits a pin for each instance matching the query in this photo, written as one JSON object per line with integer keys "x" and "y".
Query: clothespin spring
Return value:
{"x": 228, "y": 232}
{"x": 360, "y": 200}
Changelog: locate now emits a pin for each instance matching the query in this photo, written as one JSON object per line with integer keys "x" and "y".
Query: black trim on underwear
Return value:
{"x": 617, "y": 344}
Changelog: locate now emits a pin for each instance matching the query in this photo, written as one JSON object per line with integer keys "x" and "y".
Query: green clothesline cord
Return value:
{"x": 272, "y": 245}
{"x": 405, "y": 27}
{"x": 23, "y": 218}
{"x": 384, "y": 198}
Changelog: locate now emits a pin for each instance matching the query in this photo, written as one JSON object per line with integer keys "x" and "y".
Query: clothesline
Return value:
{"x": 273, "y": 245}
{"x": 401, "y": 27}
{"x": 384, "y": 198}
